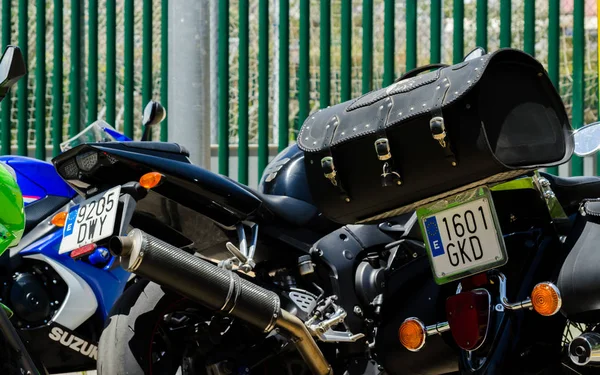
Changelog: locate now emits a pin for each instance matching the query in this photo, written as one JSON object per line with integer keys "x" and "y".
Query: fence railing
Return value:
{"x": 277, "y": 61}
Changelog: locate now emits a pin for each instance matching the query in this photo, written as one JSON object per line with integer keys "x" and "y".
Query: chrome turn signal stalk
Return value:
{"x": 545, "y": 298}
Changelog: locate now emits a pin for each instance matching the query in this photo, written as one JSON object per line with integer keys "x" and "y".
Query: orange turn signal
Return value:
{"x": 150, "y": 180}
{"x": 59, "y": 219}
{"x": 412, "y": 334}
{"x": 546, "y": 299}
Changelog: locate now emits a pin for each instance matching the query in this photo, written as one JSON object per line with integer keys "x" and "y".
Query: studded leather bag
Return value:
{"x": 385, "y": 153}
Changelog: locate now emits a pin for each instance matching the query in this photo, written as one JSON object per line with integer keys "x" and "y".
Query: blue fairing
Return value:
{"x": 37, "y": 179}
{"x": 106, "y": 284}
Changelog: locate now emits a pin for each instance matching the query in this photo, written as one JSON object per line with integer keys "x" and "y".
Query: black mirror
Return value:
{"x": 154, "y": 113}
{"x": 12, "y": 68}
{"x": 475, "y": 54}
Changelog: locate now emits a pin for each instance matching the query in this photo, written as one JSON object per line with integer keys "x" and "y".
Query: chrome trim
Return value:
{"x": 323, "y": 330}
{"x": 589, "y": 343}
{"x": 437, "y": 329}
{"x": 526, "y": 304}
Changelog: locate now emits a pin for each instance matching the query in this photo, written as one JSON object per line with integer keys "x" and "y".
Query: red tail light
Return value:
{"x": 468, "y": 315}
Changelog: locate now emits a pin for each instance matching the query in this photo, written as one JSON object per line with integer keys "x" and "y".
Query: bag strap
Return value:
{"x": 389, "y": 175}
{"x": 327, "y": 162}
{"x": 416, "y": 71}
{"x": 437, "y": 124}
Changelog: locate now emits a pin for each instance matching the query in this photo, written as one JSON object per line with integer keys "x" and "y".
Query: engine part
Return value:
{"x": 305, "y": 265}
{"x": 321, "y": 324}
{"x": 585, "y": 349}
{"x": 29, "y": 298}
{"x": 214, "y": 287}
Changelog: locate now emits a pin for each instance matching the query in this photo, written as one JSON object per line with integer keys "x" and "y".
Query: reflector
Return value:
{"x": 545, "y": 299}
{"x": 59, "y": 219}
{"x": 412, "y": 334}
{"x": 468, "y": 315}
{"x": 83, "y": 251}
{"x": 150, "y": 180}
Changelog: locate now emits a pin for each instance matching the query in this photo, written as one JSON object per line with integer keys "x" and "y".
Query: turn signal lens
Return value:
{"x": 150, "y": 180}
{"x": 59, "y": 219}
{"x": 412, "y": 334}
{"x": 545, "y": 299}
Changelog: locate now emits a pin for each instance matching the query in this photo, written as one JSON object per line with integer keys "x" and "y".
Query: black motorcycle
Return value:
{"x": 407, "y": 231}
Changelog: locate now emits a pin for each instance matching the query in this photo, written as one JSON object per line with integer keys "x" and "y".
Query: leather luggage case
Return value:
{"x": 481, "y": 121}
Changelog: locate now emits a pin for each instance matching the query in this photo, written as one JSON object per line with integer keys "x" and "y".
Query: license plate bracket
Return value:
{"x": 462, "y": 235}
{"x": 91, "y": 221}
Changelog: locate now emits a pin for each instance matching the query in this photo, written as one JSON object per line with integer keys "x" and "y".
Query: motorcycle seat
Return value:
{"x": 39, "y": 210}
{"x": 570, "y": 191}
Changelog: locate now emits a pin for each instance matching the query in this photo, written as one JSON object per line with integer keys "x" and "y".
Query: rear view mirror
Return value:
{"x": 154, "y": 113}
{"x": 12, "y": 68}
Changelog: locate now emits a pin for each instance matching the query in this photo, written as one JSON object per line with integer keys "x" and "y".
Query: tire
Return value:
{"x": 124, "y": 344}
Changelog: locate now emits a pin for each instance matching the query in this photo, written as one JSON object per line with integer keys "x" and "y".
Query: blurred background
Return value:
{"x": 269, "y": 63}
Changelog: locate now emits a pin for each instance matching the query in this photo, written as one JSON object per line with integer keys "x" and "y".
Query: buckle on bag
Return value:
{"x": 438, "y": 130}
{"x": 328, "y": 168}
{"x": 382, "y": 148}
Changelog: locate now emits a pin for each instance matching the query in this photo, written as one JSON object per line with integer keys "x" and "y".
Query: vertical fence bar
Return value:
{"x": 435, "y": 48}
{"x": 57, "y": 79}
{"x": 578, "y": 82}
{"x": 411, "y": 35}
{"x": 482, "y": 24}
{"x": 553, "y": 51}
{"x": 147, "y": 53}
{"x": 458, "y": 39}
{"x": 40, "y": 80}
{"x": 388, "y": 42}
{"x": 324, "y": 48}
{"x": 346, "y": 68}
{"x": 263, "y": 86}
{"x": 505, "y": 23}
{"x": 22, "y": 85}
{"x": 128, "y": 79}
{"x": 223, "y": 84}
{"x": 303, "y": 62}
{"x": 243, "y": 94}
{"x": 6, "y": 103}
{"x": 75, "y": 73}
{"x": 164, "y": 70}
{"x": 284, "y": 74}
{"x": 111, "y": 61}
{"x": 529, "y": 31}
{"x": 92, "y": 83}
{"x": 367, "y": 46}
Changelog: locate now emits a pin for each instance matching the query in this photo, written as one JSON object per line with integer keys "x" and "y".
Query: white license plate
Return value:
{"x": 463, "y": 236}
{"x": 90, "y": 221}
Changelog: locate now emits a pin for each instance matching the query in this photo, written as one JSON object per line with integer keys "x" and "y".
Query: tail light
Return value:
{"x": 468, "y": 314}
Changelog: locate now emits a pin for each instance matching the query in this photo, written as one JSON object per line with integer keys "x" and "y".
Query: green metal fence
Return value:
{"x": 277, "y": 61}
{"x": 87, "y": 60}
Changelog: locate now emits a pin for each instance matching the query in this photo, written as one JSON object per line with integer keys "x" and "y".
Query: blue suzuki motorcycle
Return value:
{"x": 60, "y": 304}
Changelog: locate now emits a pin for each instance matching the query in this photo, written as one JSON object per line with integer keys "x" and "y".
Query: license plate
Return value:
{"x": 90, "y": 221}
{"x": 462, "y": 235}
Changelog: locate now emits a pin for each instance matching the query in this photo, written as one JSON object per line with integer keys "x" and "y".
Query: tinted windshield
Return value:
{"x": 92, "y": 134}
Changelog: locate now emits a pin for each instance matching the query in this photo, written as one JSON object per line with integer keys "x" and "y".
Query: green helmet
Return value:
{"x": 12, "y": 214}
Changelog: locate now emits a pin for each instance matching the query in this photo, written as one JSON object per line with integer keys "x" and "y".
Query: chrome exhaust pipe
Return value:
{"x": 585, "y": 349}
{"x": 216, "y": 288}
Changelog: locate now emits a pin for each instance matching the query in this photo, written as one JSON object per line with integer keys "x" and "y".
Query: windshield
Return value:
{"x": 98, "y": 131}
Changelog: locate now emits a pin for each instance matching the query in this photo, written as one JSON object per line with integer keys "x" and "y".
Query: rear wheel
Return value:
{"x": 154, "y": 331}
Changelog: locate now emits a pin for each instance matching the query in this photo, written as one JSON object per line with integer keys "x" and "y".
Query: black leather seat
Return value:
{"x": 41, "y": 209}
